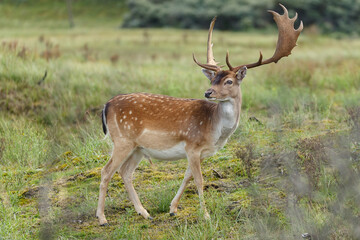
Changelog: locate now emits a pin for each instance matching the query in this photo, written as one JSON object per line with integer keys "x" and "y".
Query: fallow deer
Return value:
{"x": 168, "y": 128}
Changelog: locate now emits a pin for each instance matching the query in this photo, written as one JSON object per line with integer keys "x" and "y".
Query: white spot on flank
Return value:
{"x": 130, "y": 112}
{"x": 129, "y": 127}
{"x": 124, "y": 116}
{"x": 120, "y": 120}
{"x": 135, "y": 118}
{"x": 141, "y": 122}
{"x": 201, "y": 122}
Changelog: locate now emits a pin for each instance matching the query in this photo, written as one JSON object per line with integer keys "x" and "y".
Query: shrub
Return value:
{"x": 329, "y": 15}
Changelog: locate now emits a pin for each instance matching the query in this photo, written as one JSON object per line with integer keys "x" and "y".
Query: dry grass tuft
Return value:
{"x": 246, "y": 155}
{"x": 311, "y": 155}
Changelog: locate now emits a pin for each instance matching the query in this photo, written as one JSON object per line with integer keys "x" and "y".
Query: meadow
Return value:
{"x": 292, "y": 167}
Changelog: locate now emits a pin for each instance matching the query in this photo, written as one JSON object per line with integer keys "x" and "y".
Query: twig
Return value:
{"x": 43, "y": 78}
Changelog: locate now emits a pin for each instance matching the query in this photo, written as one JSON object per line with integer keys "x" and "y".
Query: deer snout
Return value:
{"x": 209, "y": 92}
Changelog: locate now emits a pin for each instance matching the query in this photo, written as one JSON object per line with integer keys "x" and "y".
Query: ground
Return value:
{"x": 292, "y": 166}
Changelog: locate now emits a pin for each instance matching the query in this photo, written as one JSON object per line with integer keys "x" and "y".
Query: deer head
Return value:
{"x": 225, "y": 83}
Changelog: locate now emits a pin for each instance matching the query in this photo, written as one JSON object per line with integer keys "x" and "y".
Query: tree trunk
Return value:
{"x": 70, "y": 13}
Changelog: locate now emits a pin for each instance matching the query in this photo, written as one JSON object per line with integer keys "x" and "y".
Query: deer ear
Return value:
{"x": 241, "y": 74}
{"x": 208, "y": 73}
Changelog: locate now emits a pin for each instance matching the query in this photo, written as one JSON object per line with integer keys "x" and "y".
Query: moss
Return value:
{"x": 29, "y": 193}
{"x": 24, "y": 201}
{"x": 61, "y": 167}
{"x": 67, "y": 153}
{"x": 76, "y": 160}
{"x": 241, "y": 198}
{"x": 96, "y": 172}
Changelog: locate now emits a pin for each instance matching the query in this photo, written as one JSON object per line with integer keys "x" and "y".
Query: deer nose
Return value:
{"x": 208, "y": 93}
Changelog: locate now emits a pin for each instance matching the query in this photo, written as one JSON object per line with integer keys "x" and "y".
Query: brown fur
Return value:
{"x": 174, "y": 116}
{"x": 142, "y": 124}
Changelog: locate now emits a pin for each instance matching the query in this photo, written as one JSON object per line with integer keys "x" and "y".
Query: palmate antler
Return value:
{"x": 286, "y": 42}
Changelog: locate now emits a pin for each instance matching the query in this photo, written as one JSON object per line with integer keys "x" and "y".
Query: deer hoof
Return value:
{"x": 172, "y": 214}
{"x": 150, "y": 218}
{"x": 104, "y": 225}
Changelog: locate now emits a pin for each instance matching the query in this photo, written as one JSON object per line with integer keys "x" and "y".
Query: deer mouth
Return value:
{"x": 211, "y": 98}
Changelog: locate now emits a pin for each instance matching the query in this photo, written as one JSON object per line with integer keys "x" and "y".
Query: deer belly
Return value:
{"x": 174, "y": 153}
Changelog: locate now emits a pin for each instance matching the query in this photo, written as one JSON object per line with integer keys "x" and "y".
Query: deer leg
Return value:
{"x": 194, "y": 163}
{"x": 126, "y": 172}
{"x": 121, "y": 152}
{"x": 175, "y": 201}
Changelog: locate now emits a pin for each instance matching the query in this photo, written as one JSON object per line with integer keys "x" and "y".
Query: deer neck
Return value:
{"x": 228, "y": 113}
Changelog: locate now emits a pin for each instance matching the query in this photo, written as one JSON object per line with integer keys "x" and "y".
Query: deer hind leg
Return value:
{"x": 175, "y": 201}
{"x": 126, "y": 172}
{"x": 194, "y": 164}
{"x": 122, "y": 150}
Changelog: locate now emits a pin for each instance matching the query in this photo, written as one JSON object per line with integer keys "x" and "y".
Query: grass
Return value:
{"x": 294, "y": 171}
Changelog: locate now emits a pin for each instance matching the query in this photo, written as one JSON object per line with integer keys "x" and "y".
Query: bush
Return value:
{"x": 329, "y": 15}
{"x": 196, "y": 14}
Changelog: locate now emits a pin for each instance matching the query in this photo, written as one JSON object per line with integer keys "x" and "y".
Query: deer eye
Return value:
{"x": 229, "y": 82}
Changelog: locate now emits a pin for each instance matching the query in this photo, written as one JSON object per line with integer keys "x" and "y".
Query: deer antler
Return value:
{"x": 211, "y": 64}
{"x": 286, "y": 40}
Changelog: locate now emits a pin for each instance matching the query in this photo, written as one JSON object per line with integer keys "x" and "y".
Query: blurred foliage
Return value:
{"x": 54, "y": 14}
{"x": 327, "y": 16}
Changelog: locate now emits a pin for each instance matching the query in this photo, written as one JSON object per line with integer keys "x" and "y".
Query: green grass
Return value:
{"x": 44, "y": 14}
{"x": 295, "y": 171}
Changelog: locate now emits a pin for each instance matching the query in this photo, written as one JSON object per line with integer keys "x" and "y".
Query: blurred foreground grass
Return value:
{"x": 294, "y": 171}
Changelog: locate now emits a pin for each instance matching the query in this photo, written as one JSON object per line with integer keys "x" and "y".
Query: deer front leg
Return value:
{"x": 120, "y": 154}
{"x": 194, "y": 164}
{"x": 175, "y": 201}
